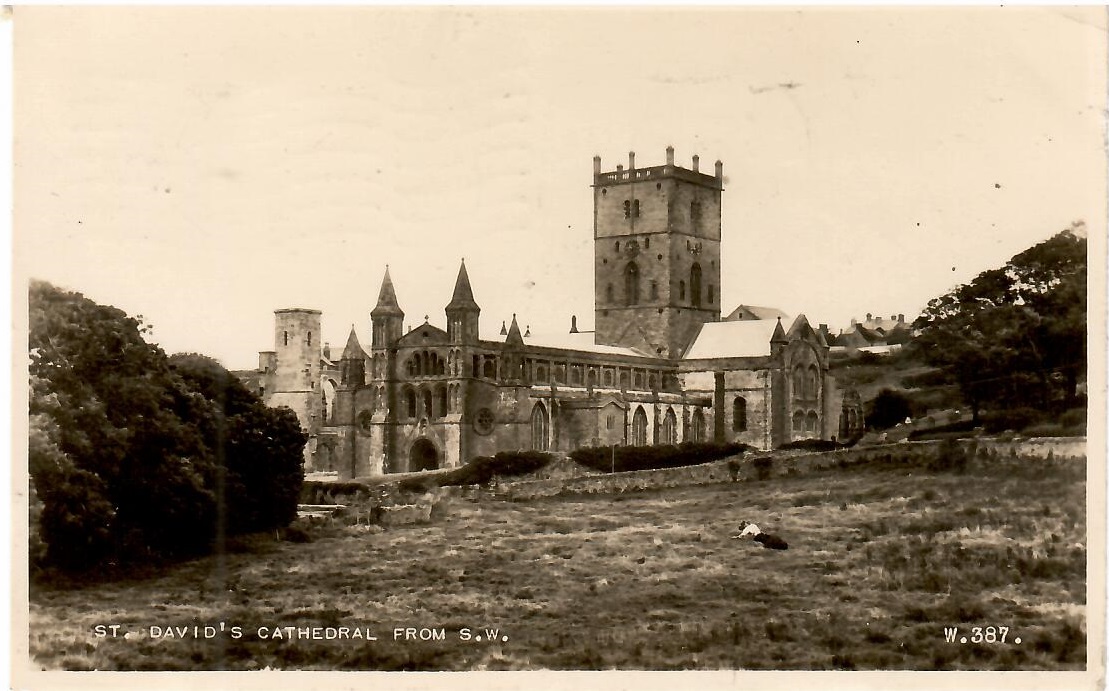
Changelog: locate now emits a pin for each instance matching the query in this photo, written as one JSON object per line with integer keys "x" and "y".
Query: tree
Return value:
{"x": 260, "y": 448}
{"x": 1015, "y": 336}
{"x": 888, "y": 408}
{"x": 130, "y": 458}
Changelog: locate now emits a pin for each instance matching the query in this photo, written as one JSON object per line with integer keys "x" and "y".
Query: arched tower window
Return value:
{"x": 739, "y": 414}
{"x": 441, "y": 407}
{"x": 813, "y": 382}
{"x": 539, "y": 428}
{"x": 811, "y": 422}
{"x": 286, "y": 338}
{"x": 669, "y": 427}
{"x": 798, "y": 382}
{"x": 631, "y": 284}
{"x": 410, "y": 402}
{"x": 695, "y": 284}
{"x": 427, "y": 403}
{"x": 639, "y": 427}
{"x": 635, "y": 208}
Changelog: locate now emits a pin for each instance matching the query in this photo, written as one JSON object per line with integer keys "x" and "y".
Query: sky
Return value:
{"x": 205, "y": 166}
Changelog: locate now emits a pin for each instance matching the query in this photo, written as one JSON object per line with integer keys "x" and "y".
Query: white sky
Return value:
{"x": 206, "y": 166}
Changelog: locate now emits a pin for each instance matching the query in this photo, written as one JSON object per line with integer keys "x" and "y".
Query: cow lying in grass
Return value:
{"x": 768, "y": 541}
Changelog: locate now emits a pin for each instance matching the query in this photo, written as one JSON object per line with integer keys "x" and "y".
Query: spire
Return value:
{"x": 779, "y": 333}
{"x": 353, "y": 351}
{"x": 514, "y": 332}
{"x": 463, "y": 296}
{"x": 387, "y": 299}
{"x": 504, "y": 329}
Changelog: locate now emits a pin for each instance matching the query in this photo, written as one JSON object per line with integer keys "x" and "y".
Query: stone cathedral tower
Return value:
{"x": 656, "y": 237}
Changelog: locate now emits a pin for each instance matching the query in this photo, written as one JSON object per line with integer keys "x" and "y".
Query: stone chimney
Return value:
{"x": 696, "y": 163}
{"x": 669, "y": 155}
{"x": 596, "y": 165}
{"x": 719, "y": 170}
{"x": 631, "y": 160}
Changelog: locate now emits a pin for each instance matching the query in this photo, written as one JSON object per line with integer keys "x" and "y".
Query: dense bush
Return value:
{"x": 130, "y": 458}
{"x": 1013, "y": 419}
{"x": 481, "y": 470}
{"x": 813, "y": 445}
{"x": 626, "y": 458}
{"x": 887, "y": 409}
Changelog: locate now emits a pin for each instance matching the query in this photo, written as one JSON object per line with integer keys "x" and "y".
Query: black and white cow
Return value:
{"x": 768, "y": 541}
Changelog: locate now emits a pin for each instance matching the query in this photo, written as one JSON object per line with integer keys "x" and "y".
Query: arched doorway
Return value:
{"x": 423, "y": 456}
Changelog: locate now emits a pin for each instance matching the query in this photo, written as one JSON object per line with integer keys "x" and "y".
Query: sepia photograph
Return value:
{"x": 558, "y": 347}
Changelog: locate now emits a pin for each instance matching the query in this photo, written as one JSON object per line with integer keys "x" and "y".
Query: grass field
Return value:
{"x": 881, "y": 560}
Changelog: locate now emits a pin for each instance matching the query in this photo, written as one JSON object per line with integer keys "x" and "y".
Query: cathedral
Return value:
{"x": 661, "y": 367}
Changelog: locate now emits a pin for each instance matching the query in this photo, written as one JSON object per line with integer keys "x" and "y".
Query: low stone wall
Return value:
{"x": 777, "y": 464}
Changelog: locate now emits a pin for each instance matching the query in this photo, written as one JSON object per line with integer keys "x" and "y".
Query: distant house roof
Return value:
{"x": 752, "y": 312}
{"x": 744, "y": 338}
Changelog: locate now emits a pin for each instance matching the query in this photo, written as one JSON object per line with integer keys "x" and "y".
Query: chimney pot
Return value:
{"x": 696, "y": 163}
{"x": 719, "y": 170}
{"x": 631, "y": 160}
{"x": 901, "y": 317}
{"x": 869, "y": 316}
{"x": 596, "y": 165}
{"x": 669, "y": 155}
{"x": 620, "y": 169}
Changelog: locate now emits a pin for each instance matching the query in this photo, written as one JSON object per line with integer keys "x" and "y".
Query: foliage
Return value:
{"x": 813, "y": 445}
{"x": 1016, "y": 335}
{"x": 124, "y": 452}
{"x": 888, "y": 408}
{"x": 259, "y": 448}
{"x": 627, "y": 458}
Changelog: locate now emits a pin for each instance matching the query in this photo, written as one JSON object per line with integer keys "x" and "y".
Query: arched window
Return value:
{"x": 669, "y": 428}
{"x": 608, "y": 377}
{"x": 681, "y": 290}
{"x": 410, "y": 401}
{"x": 739, "y": 414}
{"x": 631, "y": 284}
{"x": 286, "y": 338}
{"x": 811, "y": 422}
{"x": 592, "y": 377}
{"x": 813, "y": 382}
{"x": 639, "y": 380}
{"x": 539, "y": 428}
{"x": 575, "y": 375}
{"x": 490, "y": 371}
{"x": 798, "y": 382}
{"x": 698, "y": 425}
{"x": 441, "y": 394}
{"x": 647, "y": 242}
{"x": 627, "y": 208}
{"x": 623, "y": 380}
{"x": 427, "y": 403}
{"x": 476, "y": 366}
{"x": 635, "y": 208}
{"x": 617, "y": 245}
{"x": 798, "y": 422}
{"x": 541, "y": 374}
{"x": 639, "y": 427}
{"x": 695, "y": 284}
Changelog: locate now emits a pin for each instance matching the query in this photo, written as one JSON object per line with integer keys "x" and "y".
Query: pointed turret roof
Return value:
{"x": 779, "y": 333}
{"x": 353, "y": 351}
{"x": 387, "y": 305}
{"x": 514, "y": 335}
{"x": 463, "y": 297}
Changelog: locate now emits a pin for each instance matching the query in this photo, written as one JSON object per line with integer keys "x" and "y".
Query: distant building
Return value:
{"x": 662, "y": 367}
{"x": 874, "y": 335}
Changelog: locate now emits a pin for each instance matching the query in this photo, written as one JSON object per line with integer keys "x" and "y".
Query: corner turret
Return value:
{"x": 462, "y": 311}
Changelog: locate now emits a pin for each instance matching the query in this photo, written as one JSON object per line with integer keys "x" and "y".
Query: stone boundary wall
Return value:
{"x": 759, "y": 466}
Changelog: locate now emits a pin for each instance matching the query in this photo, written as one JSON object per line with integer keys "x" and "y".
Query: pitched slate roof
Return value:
{"x": 744, "y": 338}
{"x": 749, "y": 312}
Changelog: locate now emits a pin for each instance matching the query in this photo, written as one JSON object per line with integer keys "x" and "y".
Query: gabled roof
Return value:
{"x": 387, "y": 305}
{"x": 749, "y": 312}
{"x": 580, "y": 341}
{"x": 744, "y": 338}
{"x": 423, "y": 334}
